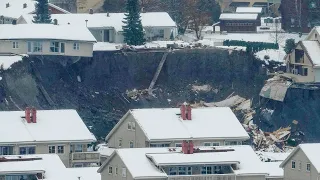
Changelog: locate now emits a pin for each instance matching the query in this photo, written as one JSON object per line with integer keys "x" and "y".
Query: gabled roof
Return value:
{"x": 16, "y": 9}
{"x": 249, "y": 10}
{"x": 111, "y": 20}
{"x": 311, "y": 150}
{"x": 142, "y": 162}
{"x": 312, "y": 49}
{"x": 51, "y": 126}
{"x": 315, "y": 29}
{"x": 207, "y": 123}
{"x": 238, "y": 16}
{"x": 45, "y": 31}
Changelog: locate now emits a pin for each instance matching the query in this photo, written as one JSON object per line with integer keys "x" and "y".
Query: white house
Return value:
{"x": 46, "y": 39}
{"x": 254, "y": 10}
{"x": 59, "y": 132}
{"x": 42, "y": 166}
{"x": 12, "y": 9}
{"x": 225, "y": 163}
{"x": 107, "y": 27}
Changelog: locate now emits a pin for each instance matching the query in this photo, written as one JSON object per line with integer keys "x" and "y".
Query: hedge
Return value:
{"x": 251, "y": 46}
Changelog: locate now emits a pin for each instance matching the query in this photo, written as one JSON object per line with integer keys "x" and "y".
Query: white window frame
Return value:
{"x": 133, "y": 126}
{"x": 58, "y": 149}
{"x": 110, "y": 168}
{"x": 308, "y": 169}
{"x": 293, "y": 163}
{"x": 129, "y": 126}
{"x": 34, "y": 46}
{"x": 15, "y": 45}
{"x": 27, "y": 149}
{"x": 78, "y": 145}
{"x": 54, "y": 149}
{"x": 119, "y": 142}
{"x": 299, "y": 165}
{"x": 53, "y": 45}
{"x": 116, "y": 171}
{"x": 76, "y": 46}
{"x": 124, "y": 172}
{"x": 131, "y": 142}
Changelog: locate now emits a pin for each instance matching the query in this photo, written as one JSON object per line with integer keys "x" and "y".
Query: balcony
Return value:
{"x": 90, "y": 157}
{"x": 203, "y": 177}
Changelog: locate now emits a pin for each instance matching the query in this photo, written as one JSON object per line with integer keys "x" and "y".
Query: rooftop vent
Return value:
{"x": 55, "y": 22}
{"x": 108, "y": 14}
{"x": 90, "y": 11}
{"x": 25, "y": 5}
{"x": 14, "y": 22}
{"x": 7, "y": 5}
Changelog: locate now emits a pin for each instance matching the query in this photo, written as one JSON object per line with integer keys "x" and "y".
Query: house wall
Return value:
{"x": 137, "y": 136}
{"x": 314, "y": 35}
{"x": 250, "y": 177}
{"x": 225, "y": 26}
{"x": 43, "y": 148}
{"x": 86, "y": 48}
{"x": 305, "y": 64}
{"x": 197, "y": 142}
{"x": 115, "y": 161}
{"x": 296, "y": 174}
{"x": 152, "y": 32}
{"x": 98, "y": 33}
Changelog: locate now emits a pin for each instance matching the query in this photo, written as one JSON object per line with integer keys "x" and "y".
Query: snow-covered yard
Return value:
{"x": 7, "y": 61}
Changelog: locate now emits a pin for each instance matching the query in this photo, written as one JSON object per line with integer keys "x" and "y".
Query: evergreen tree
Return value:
{"x": 290, "y": 45}
{"x": 132, "y": 30}
{"x": 42, "y": 12}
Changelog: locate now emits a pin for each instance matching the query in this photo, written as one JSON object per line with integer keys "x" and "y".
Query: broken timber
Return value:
{"x": 156, "y": 75}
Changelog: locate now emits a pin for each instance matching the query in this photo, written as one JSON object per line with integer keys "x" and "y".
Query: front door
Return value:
{"x": 106, "y": 36}
{"x": 62, "y": 50}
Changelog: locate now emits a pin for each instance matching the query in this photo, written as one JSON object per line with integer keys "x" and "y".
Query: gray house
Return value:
{"x": 168, "y": 127}
{"x": 303, "y": 163}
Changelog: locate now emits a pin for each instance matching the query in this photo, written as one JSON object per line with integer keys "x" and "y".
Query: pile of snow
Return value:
{"x": 7, "y": 61}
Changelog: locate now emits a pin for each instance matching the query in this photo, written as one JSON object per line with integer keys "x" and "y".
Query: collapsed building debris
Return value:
{"x": 275, "y": 88}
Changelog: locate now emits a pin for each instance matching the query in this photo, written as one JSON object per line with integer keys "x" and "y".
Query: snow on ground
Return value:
{"x": 7, "y": 61}
{"x": 274, "y": 54}
{"x": 105, "y": 46}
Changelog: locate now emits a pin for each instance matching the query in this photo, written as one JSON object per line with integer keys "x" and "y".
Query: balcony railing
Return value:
{"x": 93, "y": 157}
{"x": 203, "y": 177}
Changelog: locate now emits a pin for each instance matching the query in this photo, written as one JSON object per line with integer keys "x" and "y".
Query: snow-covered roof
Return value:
{"x": 313, "y": 50}
{"x": 7, "y": 61}
{"x": 310, "y": 150}
{"x": 207, "y": 123}
{"x": 137, "y": 160}
{"x": 273, "y": 169}
{"x": 85, "y": 173}
{"x": 106, "y": 151}
{"x": 16, "y": 8}
{"x": 272, "y": 156}
{"x": 49, "y": 164}
{"x": 45, "y": 32}
{"x": 249, "y": 10}
{"x": 51, "y": 126}
{"x": 238, "y": 16}
{"x": 113, "y": 20}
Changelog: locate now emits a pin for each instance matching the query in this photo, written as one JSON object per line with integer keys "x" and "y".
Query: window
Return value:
{"x": 172, "y": 171}
{"x": 292, "y": 20}
{"x": 230, "y": 143}
{"x": 215, "y": 144}
{"x": 161, "y": 33}
{"x": 27, "y": 150}
{"x": 78, "y": 148}
{"x": 6, "y": 150}
{"x": 129, "y": 126}
{"x": 300, "y": 165}
{"x": 308, "y": 167}
{"x": 78, "y": 165}
{"x": 316, "y": 35}
{"x": 110, "y": 170}
{"x": 159, "y": 145}
{"x": 15, "y": 45}
{"x": 54, "y": 46}
{"x": 293, "y": 164}
{"x": 76, "y": 46}
{"x": 120, "y": 143}
{"x": 189, "y": 170}
{"x": 178, "y": 145}
{"x": 133, "y": 126}
{"x": 182, "y": 170}
{"x": 52, "y": 149}
{"x": 116, "y": 170}
{"x": 305, "y": 71}
{"x": 60, "y": 149}
{"x": 124, "y": 172}
{"x": 207, "y": 144}
{"x": 34, "y": 46}
{"x": 131, "y": 144}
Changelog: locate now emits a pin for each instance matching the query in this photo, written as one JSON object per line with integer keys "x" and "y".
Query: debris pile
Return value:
{"x": 135, "y": 94}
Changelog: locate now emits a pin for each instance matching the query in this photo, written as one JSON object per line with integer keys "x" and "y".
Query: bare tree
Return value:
{"x": 277, "y": 36}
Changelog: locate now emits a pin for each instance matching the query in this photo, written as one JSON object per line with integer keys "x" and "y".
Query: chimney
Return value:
{"x": 27, "y": 115}
{"x": 34, "y": 115}
{"x": 55, "y": 22}
{"x": 90, "y": 11}
{"x": 14, "y": 22}
{"x": 187, "y": 147}
{"x": 183, "y": 111}
{"x": 7, "y": 5}
{"x": 25, "y": 5}
{"x": 189, "y": 112}
{"x": 108, "y": 14}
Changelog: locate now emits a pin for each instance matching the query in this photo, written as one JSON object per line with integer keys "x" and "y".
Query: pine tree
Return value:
{"x": 42, "y": 12}
{"x": 132, "y": 30}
